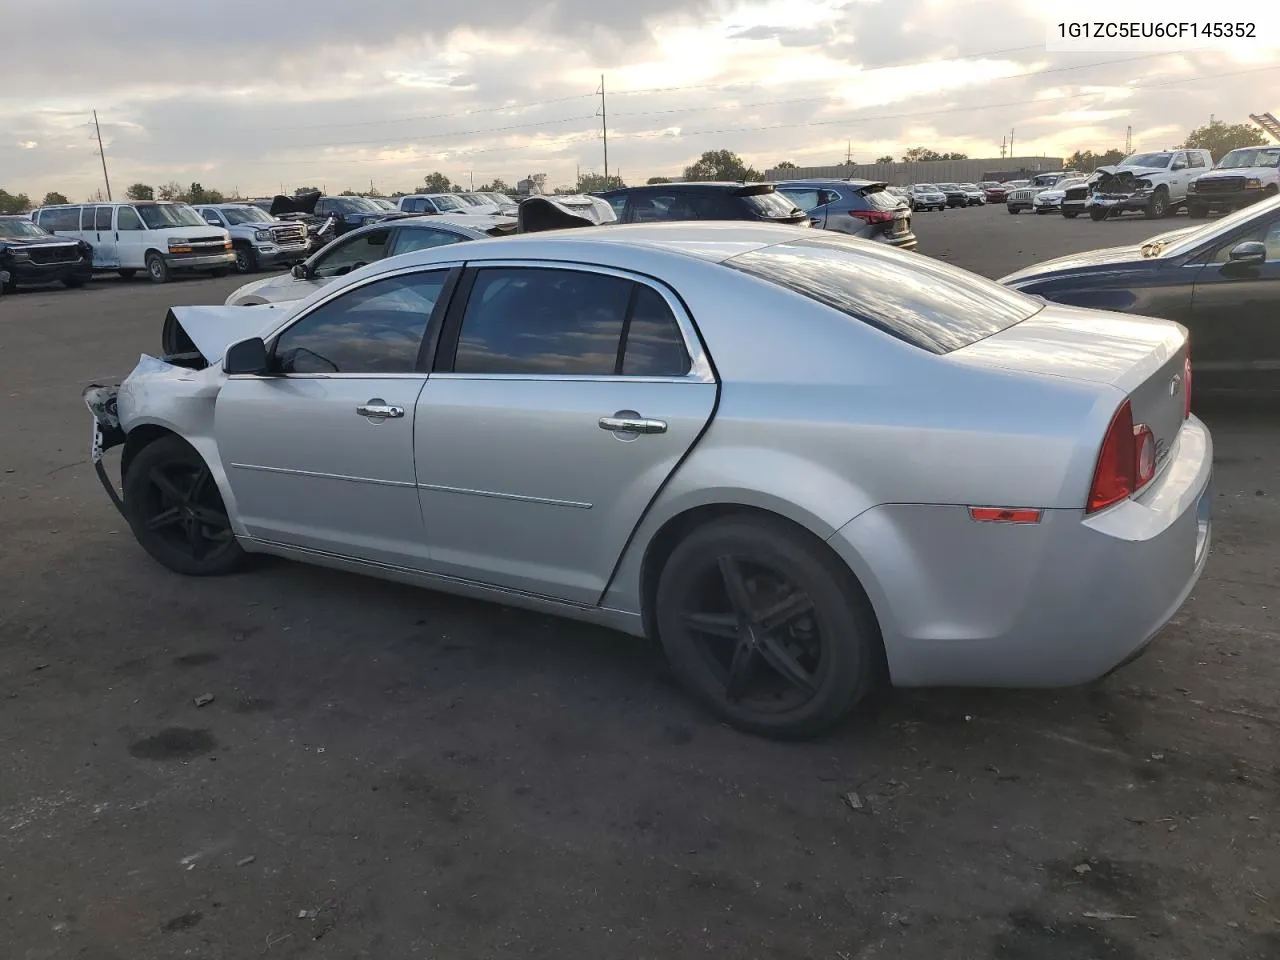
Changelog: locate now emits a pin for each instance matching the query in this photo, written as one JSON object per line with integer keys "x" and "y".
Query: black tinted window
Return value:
{"x": 63, "y": 218}
{"x": 102, "y": 222}
{"x": 86, "y": 218}
{"x": 377, "y": 328}
{"x": 877, "y": 198}
{"x": 352, "y": 254}
{"x": 925, "y": 302}
{"x": 654, "y": 347}
{"x": 771, "y": 206}
{"x": 422, "y": 239}
{"x": 540, "y": 321}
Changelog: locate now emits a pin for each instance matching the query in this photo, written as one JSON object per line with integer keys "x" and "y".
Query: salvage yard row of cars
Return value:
{"x": 761, "y": 512}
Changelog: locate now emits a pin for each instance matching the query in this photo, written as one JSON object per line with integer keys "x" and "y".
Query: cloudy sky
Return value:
{"x": 262, "y": 96}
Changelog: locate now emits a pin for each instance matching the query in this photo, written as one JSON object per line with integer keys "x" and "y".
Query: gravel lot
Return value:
{"x": 390, "y": 773}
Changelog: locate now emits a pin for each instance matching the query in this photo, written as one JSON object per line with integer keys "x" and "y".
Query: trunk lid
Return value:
{"x": 1142, "y": 357}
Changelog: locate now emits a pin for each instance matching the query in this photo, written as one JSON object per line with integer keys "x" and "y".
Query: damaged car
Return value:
{"x": 608, "y": 424}
{"x": 30, "y": 255}
{"x": 1154, "y": 184}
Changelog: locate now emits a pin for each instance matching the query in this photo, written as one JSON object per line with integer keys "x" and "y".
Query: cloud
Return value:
{"x": 263, "y": 97}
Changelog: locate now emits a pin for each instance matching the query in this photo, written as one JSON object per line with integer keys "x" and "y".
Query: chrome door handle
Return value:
{"x": 633, "y": 425}
{"x": 375, "y": 408}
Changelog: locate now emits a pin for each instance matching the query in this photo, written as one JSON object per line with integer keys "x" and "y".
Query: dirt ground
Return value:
{"x": 386, "y": 773}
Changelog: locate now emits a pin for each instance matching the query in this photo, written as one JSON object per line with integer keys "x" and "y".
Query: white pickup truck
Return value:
{"x": 1242, "y": 177}
{"x": 1155, "y": 183}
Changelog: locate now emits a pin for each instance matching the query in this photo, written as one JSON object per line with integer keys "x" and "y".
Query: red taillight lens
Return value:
{"x": 1115, "y": 476}
{"x": 1186, "y": 385}
{"x": 872, "y": 216}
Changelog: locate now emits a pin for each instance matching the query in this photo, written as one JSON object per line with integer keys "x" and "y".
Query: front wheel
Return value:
{"x": 176, "y": 512}
{"x": 246, "y": 259}
{"x": 1157, "y": 206}
{"x": 1071, "y": 214}
{"x": 158, "y": 268}
{"x": 1014, "y": 210}
{"x": 767, "y": 627}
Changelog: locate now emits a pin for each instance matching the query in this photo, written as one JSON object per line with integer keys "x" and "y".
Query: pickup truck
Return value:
{"x": 259, "y": 239}
{"x": 1154, "y": 183}
{"x": 1242, "y": 177}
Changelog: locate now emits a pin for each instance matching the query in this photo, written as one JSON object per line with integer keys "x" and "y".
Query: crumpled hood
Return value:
{"x": 50, "y": 241}
{"x": 210, "y": 330}
{"x": 1135, "y": 171}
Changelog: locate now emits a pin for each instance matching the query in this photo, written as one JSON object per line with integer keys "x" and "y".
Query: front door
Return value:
{"x": 131, "y": 245}
{"x": 562, "y": 399}
{"x": 319, "y": 454}
{"x": 1235, "y": 326}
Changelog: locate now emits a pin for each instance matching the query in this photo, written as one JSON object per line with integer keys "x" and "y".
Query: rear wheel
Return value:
{"x": 176, "y": 512}
{"x": 1014, "y": 210}
{"x": 766, "y": 627}
{"x": 158, "y": 268}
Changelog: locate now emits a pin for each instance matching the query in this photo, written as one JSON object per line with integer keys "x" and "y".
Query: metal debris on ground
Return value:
{"x": 853, "y": 801}
{"x": 1082, "y": 868}
{"x": 1104, "y": 915}
{"x": 308, "y": 914}
{"x": 204, "y": 699}
{"x": 245, "y": 861}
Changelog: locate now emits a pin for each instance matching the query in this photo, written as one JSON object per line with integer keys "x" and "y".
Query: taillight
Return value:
{"x": 1186, "y": 385}
{"x": 872, "y": 216}
{"x": 1126, "y": 462}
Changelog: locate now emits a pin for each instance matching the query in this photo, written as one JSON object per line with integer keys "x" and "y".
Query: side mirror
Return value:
{"x": 246, "y": 357}
{"x": 1251, "y": 252}
{"x": 298, "y": 271}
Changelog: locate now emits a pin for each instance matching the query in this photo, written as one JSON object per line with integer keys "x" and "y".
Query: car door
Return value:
{"x": 131, "y": 243}
{"x": 106, "y": 247}
{"x": 561, "y": 399}
{"x": 319, "y": 454}
{"x": 1235, "y": 334}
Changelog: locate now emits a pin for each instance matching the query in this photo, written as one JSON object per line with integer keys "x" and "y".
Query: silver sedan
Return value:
{"x": 802, "y": 463}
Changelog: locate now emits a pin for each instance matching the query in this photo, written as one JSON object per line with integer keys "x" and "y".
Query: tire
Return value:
{"x": 1071, "y": 214}
{"x": 1098, "y": 213}
{"x": 830, "y": 639}
{"x": 246, "y": 259}
{"x": 127, "y": 274}
{"x": 158, "y": 269}
{"x": 176, "y": 512}
{"x": 1157, "y": 206}
{"x": 9, "y": 287}
{"x": 1015, "y": 211}
{"x": 1197, "y": 211}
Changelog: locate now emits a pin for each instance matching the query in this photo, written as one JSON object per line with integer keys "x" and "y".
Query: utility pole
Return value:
{"x": 1010, "y": 143}
{"x": 1003, "y": 146}
{"x": 102, "y": 153}
{"x": 848, "y": 153}
{"x": 471, "y": 174}
{"x": 604, "y": 128}
{"x": 1128, "y": 140}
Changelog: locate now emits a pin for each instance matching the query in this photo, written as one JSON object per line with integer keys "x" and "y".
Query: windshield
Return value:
{"x": 448, "y": 203}
{"x": 948, "y": 186}
{"x": 1147, "y": 160}
{"x": 355, "y": 205}
{"x": 925, "y": 188}
{"x": 159, "y": 216}
{"x": 1219, "y": 227}
{"x": 1250, "y": 157}
{"x": 773, "y": 205}
{"x": 501, "y": 199}
{"x": 238, "y": 215}
{"x": 20, "y": 228}
{"x": 968, "y": 186}
{"x": 475, "y": 200}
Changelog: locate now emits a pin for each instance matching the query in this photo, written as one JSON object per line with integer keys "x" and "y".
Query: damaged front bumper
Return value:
{"x": 101, "y": 398}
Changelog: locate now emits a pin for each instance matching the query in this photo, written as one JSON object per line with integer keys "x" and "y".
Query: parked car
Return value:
{"x": 1075, "y": 197}
{"x": 32, "y": 256}
{"x": 927, "y": 196}
{"x": 349, "y": 213}
{"x": 860, "y": 208}
{"x": 1050, "y": 200}
{"x": 1154, "y": 183}
{"x": 1022, "y": 197}
{"x": 1242, "y": 177}
{"x": 766, "y": 514}
{"x": 479, "y": 203}
{"x": 159, "y": 237}
{"x": 257, "y": 238}
{"x": 994, "y": 192}
{"x": 507, "y": 206}
{"x": 359, "y": 248}
{"x": 955, "y": 194}
{"x": 974, "y": 195}
{"x": 704, "y": 201}
{"x": 1221, "y": 280}
{"x": 429, "y": 204}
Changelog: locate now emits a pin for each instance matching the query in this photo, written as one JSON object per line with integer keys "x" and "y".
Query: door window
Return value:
{"x": 619, "y": 204}
{"x": 211, "y": 216}
{"x": 352, "y": 254}
{"x": 1196, "y": 158}
{"x": 128, "y": 219}
{"x": 373, "y": 329}
{"x": 63, "y": 218}
{"x": 522, "y": 320}
{"x": 1267, "y": 233}
{"x": 408, "y": 240}
{"x": 805, "y": 198}
{"x": 102, "y": 221}
{"x": 653, "y": 345}
{"x": 86, "y": 219}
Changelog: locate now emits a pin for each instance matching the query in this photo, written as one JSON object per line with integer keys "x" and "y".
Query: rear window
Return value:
{"x": 880, "y": 198}
{"x": 925, "y": 302}
{"x": 773, "y": 205}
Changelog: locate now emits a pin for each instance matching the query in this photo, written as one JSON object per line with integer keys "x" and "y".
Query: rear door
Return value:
{"x": 1235, "y": 321}
{"x": 562, "y": 398}
{"x": 106, "y": 252}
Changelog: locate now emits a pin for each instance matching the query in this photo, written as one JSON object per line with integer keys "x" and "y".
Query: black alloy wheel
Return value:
{"x": 176, "y": 512}
{"x": 766, "y": 627}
